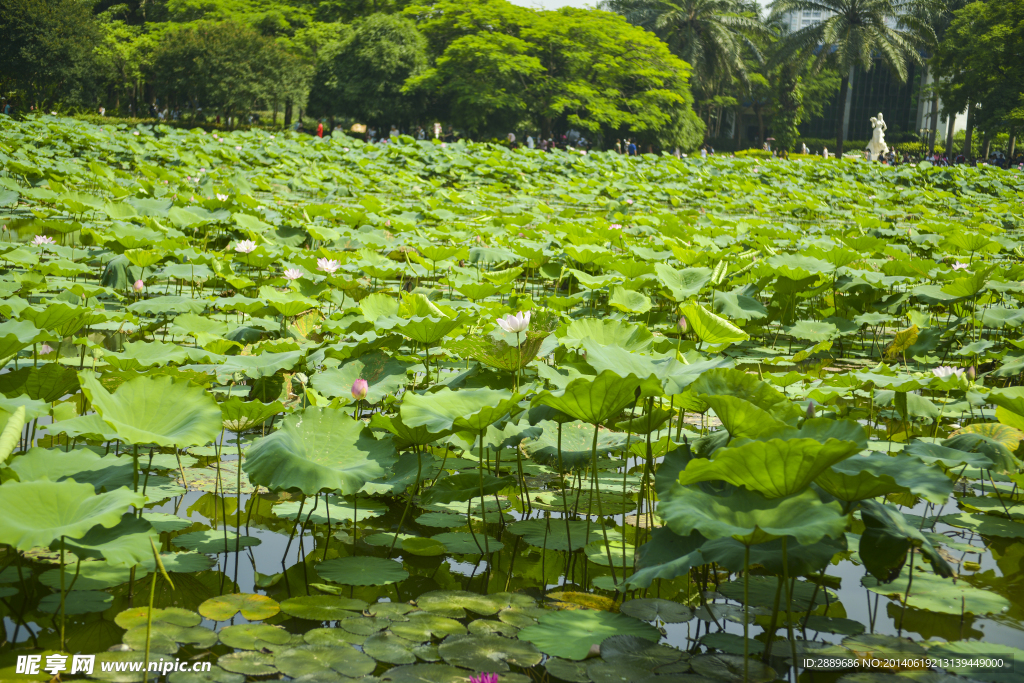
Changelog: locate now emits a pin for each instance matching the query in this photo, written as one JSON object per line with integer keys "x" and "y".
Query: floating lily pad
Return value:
{"x": 362, "y": 571}
{"x": 426, "y": 673}
{"x": 253, "y": 636}
{"x": 574, "y": 672}
{"x": 570, "y": 634}
{"x": 424, "y": 625}
{"x": 390, "y": 648}
{"x": 729, "y": 668}
{"x": 322, "y": 607}
{"x": 365, "y": 626}
{"x": 651, "y": 609}
{"x": 332, "y": 636}
{"x": 316, "y": 659}
{"x": 252, "y": 607}
{"x": 216, "y": 674}
{"x": 489, "y": 653}
{"x": 212, "y": 541}
{"x": 76, "y": 602}
{"x": 441, "y": 519}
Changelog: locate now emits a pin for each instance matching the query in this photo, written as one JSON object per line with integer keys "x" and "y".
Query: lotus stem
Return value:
{"x": 483, "y": 502}
{"x": 63, "y": 594}
{"x": 789, "y": 607}
{"x": 408, "y": 503}
{"x": 600, "y": 510}
{"x": 298, "y": 518}
{"x": 906, "y": 595}
{"x": 565, "y": 499}
{"x": 746, "y": 612}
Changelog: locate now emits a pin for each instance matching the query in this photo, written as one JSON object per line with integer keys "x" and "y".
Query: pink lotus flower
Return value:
{"x": 245, "y": 247}
{"x": 139, "y": 284}
{"x": 293, "y": 274}
{"x": 328, "y": 265}
{"x": 359, "y": 389}
{"x": 682, "y": 324}
{"x": 615, "y": 226}
{"x": 238, "y": 148}
{"x": 484, "y": 678}
{"x": 41, "y": 240}
{"x": 517, "y": 323}
{"x": 629, "y": 201}
{"x": 45, "y": 350}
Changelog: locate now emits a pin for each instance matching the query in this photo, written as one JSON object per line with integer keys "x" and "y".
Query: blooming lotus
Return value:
{"x": 960, "y": 266}
{"x": 45, "y": 350}
{"x": 222, "y": 197}
{"x": 293, "y": 274}
{"x": 139, "y": 284}
{"x": 615, "y": 226}
{"x": 944, "y": 371}
{"x": 359, "y": 389}
{"x": 41, "y": 240}
{"x": 515, "y": 323}
{"x": 328, "y": 265}
{"x": 245, "y": 247}
{"x": 484, "y": 678}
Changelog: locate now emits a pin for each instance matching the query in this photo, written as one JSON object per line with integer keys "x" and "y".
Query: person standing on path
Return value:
{"x": 320, "y": 129}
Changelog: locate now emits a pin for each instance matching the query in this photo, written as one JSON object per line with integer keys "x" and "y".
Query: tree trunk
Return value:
{"x": 287, "y": 111}
{"x": 970, "y": 125}
{"x": 737, "y": 134}
{"x": 987, "y": 146}
{"x": 934, "y": 124}
{"x": 950, "y": 128}
{"x": 844, "y": 89}
{"x": 275, "y": 111}
{"x": 1011, "y": 147}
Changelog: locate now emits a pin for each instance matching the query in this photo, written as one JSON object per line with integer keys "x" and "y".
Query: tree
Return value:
{"x": 712, "y": 36}
{"x": 122, "y": 56}
{"x": 855, "y": 32}
{"x": 979, "y": 61}
{"x": 364, "y": 78}
{"x": 501, "y": 68}
{"x": 46, "y": 50}
{"x": 224, "y": 67}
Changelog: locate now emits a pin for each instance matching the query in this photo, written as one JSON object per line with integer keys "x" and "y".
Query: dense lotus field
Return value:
{"x": 315, "y": 410}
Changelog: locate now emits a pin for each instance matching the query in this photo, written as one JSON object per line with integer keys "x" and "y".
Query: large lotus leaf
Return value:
{"x": 317, "y": 660}
{"x": 213, "y": 541}
{"x": 741, "y": 418}
{"x": 253, "y": 367}
{"x": 623, "y": 363}
{"x": 319, "y": 449}
{"x": 404, "y": 435}
{"x": 168, "y": 305}
{"x": 666, "y": 556}
{"x": 743, "y": 385}
{"x": 1008, "y": 398}
{"x": 878, "y": 474}
{"x": 465, "y": 486}
{"x": 362, "y": 571}
{"x": 803, "y": 560}
{"x": 738, "y": 305}
{"x": 749, "y": 517}
{"x": 488, "y": 653}
{"x": 59, "y": 317}
{"x": 106, "y": 472}
{"x": 776, "y": 468}
{"x": 16, "y": 335}
{"x": 458, "y": 602}
{"x": 49, "y": 382}
{"x": 238, "y": 415}
{"x": 464, "y": 543}
{"x": 466, "y": 409}
{"x": 986, "y": 525}
{"x": 288, "y": 304}
{"x": 428, "y": 329}
{"x": 629, "y": 300}
{"x": 655, "y": 609}
{"x": 11, "y": 434}
{"x": 617, "y": 333}
{"x": 577, "y": 439}
{"x": 930, "y": 453}
{"x": 141, "y": 355}
{"x": 570, "y": 634}
{"x": 337, "y": 509}
{"x": 322, "y": 607}
{"x": 887, "y": 539}
{"x": 941, "y": 595}
{"x": 593, "y": 399}
{"x": 427, "y": 673}
{"x": 37, "y": 513}
{"x": 125, "y": 544}
{"x": 711, "y": 328}
{"x": 383, "y": 374}
{"x": 999, "y": 457}
{"x": 76, "y": 602}
{"x": 421, "y": 626}
{"x": 682, "y": 284}
{"x": 156, "y": 410}
{"x": 555, "y": 534}
{"x": 91, "y": 576}
{"x": 389, "y": 648}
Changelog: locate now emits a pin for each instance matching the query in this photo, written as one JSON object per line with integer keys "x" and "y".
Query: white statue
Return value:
{"x": 877, "y": 145}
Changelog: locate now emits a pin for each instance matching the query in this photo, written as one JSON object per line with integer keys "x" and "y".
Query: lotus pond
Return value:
{"x": 315, "y": 410}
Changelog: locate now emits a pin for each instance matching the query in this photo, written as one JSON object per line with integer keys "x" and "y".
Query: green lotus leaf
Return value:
{"x": 405, "y": 435}
{"x": 362, "y": 571}
{"x": 629, "y": 300}
{"x": 465, "y": 409}
{"x": 106, "y": 472}
{"x": 167, "y": 305}
{"x": 322, "y": 607}
{"x": 655, "y": 609}
{"x": 247, "y": 663}
{"x": 125, "y": 544}
{"x": 631, "y": 338}
{"x": 742, "y": 385}
{"x": 11, "y": 434}
{"x": 238, "y": 415}
{"x": 802, "y": 559}
{"x": 577, "y": 440}
{"x": 682, "y": 284}
{"x": 731, "y": 669}
{"x": 465, "y": 486}
{"x": 749, "y": 517}
{"x": 426, "y": 547}
{"x": 421, "y": 626}
{"x": 430, "y": 329}
{"x": 194, "y": 635}
{"x": 776, "y": 468}
{"x": 389, "y": 648}
{"x": 464, "y": 543}
{"x": 570, "y": 634}
{"x": 156, "y": 410}
{"x": 711, "y": 328}
{"x": 212, "y": 541}
{"x": 929, "y": 453}
{"x": 574, "y": 672}
{"x": 252, "y": 607}
{"x": 331, "y": 636}
{"x": 593, "y": 400}
{"x": 384, "y": 376}
{"x": 1000, "y": 458}
{"x": 741, "y": 418}
{"x": 666, "y": 556}
{"x": 216, "y": 674}
{"x": 426, "y": 673}
{"x": 556, "y": 534}
{"x": 317, "y": 660}
{"x": 936, "y": 594}
{"x": 37, "y": 513}
{"x": 137, "y": 616}
{"x": 336, "y": 509}
{"x": 15, "y": 335}
{"x": 986, "y": 525}
{"x": 76, "y": 602}
{"x": 91, "y": 576}
{"x": 318, "y": 449}
{"x": 877, "y": 474}
{"x": 47, "y": 383}
{"x": 887, "y": 539}
{"x": 640, "y": 653}
{"x": 488, "y": 653}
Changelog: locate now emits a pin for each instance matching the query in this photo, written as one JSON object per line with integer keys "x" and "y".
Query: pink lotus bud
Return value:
{"x": 810, "y": 409}
{"x": 971, "y": 373}
{"x": 45, "y": 350}
{"x": 139, "y": 284}
{"x": 359, "y": 389}
{"x": 682, "y": 324}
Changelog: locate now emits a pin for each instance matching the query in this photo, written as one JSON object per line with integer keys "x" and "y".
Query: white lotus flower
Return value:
{"x": 40, "y": 240}
{"x": 944, "y": 371}
{"x": 960, "y": 266}
{"x": 515, "y": 323}
{"x": 222, "y": 197}
{"x": 293, "y": 274}
{"x": 328, "y": 265}
{"x": 245, "y": 247}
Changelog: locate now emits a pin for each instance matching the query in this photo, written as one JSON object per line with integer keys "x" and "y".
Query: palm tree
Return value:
{"x": 711, "y": 35}
{"x": 855, "y": 32}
